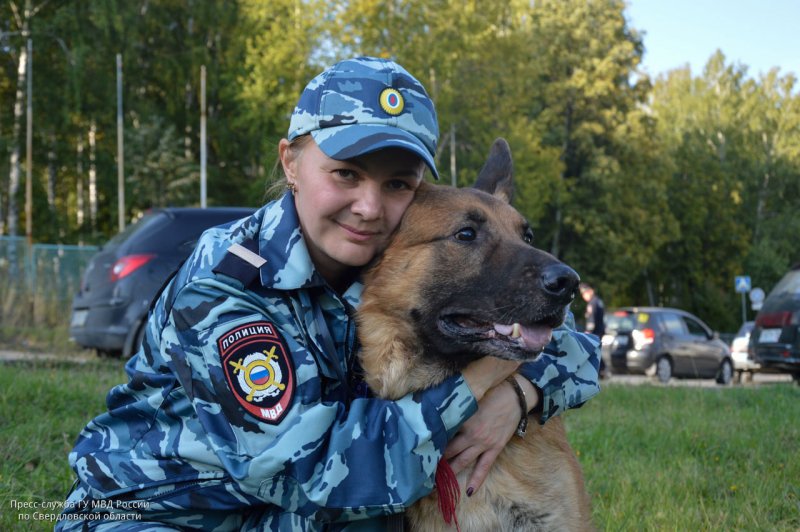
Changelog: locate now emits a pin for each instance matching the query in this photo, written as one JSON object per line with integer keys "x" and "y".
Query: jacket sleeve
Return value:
{"x": 567, "y": 370}
{"x": 321, "y": 459}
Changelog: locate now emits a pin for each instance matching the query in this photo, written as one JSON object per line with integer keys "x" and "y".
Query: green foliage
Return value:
{"x": 656, "y": 192}
{"x": 161, "y": 175}
{"x": 733, "y": 143}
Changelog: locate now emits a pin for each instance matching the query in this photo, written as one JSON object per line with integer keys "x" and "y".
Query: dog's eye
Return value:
{"x": 528, "y": 237}
{"x": 466, "y": 234}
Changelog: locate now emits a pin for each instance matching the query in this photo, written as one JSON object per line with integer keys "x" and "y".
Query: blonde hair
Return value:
{"x": 278, "y": 183}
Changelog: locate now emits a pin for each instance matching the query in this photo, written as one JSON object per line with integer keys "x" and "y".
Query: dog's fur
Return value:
{"x": 461, "y": 261}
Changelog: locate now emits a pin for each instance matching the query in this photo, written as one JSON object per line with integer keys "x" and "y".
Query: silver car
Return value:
{"x": 665, "y": 343}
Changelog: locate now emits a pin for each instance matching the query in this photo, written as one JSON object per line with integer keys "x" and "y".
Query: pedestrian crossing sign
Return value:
{"x": 742, "y": 284}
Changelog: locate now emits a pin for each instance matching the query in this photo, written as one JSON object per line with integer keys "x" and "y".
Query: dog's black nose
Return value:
{"x": 560, "y": 281}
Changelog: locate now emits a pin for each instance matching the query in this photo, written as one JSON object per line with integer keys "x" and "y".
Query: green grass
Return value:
{"x": 39, "y": 339}
{"x": 674, "y": 458}
{"x": 655, "y": 458}
{"x": 43, "y": 407}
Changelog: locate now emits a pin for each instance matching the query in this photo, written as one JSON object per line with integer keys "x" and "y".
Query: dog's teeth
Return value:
{"x": 515, "y": 331}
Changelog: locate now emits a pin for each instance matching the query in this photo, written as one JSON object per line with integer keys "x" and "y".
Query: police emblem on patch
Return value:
{"x": 260, "y": 375}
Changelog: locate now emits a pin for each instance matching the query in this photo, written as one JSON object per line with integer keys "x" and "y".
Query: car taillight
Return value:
{"x": 774, "y": 320}
{"x": 642, "y": 338}
{"x": 129, "y": 264}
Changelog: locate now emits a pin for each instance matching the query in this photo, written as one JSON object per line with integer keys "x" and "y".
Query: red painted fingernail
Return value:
{"x": 470, "y": 491}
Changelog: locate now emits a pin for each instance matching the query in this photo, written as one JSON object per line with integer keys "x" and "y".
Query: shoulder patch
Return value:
{"x": 258, "y": 368}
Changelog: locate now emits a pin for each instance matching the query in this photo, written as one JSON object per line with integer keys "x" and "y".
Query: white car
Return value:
{"x": 743, "y": 363}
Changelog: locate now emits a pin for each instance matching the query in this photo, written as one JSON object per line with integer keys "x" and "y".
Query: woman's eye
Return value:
{"x": 398, "y": 184}
{"x": 345, "y": 173}
{"x": 466, "y": 234}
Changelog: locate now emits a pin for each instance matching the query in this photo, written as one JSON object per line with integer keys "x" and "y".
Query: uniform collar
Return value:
{"x": 281, "y": 243}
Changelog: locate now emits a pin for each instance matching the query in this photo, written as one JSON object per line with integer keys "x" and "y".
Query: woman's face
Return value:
{"x": 349, "y": 209}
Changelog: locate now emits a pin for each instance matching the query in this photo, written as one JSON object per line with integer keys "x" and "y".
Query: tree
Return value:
{"x": 730, "y": 139}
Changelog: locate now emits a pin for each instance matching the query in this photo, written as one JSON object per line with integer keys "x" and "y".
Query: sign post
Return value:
{"x": 756, "y": 299}
{"x": 742, "y": 285}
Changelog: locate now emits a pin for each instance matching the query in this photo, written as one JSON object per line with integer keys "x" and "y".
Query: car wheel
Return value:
{"x": 137, "y": 340}
{"x": 664, "y": 369}
{"x": 725, "y": 373}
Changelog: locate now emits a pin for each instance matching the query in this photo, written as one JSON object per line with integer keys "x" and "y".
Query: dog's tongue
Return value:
{"x": 533, "y": 338}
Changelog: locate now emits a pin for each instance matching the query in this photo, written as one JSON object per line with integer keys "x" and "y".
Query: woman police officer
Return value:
{"x": 243, "y": 409}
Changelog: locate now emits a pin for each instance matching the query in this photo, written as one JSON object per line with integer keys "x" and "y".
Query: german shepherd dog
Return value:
{"x": 461, "y": 280}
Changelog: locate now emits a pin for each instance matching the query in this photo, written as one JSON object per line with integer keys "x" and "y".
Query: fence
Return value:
{"x": 38, "y": 282}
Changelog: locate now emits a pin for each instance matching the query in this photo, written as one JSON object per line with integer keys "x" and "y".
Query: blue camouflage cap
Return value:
{"x": 365, "y": 104}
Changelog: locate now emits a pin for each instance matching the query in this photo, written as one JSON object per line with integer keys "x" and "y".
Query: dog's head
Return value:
{"x": 462, "y": 269}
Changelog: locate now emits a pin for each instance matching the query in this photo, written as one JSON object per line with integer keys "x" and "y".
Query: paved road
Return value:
{"x": 759, "y": 379}
{"x": 8, "y": 355}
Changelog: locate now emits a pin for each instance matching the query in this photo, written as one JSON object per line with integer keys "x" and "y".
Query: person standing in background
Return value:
{"x": 595, "y": 317}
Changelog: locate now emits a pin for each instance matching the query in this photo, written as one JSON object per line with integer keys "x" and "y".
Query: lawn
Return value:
{"x": 655, "y": 458}
{"x": 43, "y": 406}
{"x": 676, "y": 458}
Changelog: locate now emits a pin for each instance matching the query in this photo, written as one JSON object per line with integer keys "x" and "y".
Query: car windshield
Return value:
{"x": 786, "y": 293}
{"x": 123, "y": 235}
{"x": 745, "y": 329}
{"x": 626, "y": 320}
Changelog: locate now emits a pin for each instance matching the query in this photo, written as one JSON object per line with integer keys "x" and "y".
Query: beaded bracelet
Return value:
{"x": 523, "y": 404}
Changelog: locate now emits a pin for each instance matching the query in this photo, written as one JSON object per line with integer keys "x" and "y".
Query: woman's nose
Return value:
{"x": 369, "y": 202}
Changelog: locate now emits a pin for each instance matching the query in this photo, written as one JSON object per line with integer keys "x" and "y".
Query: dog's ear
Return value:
{"x": 496, "y": 176}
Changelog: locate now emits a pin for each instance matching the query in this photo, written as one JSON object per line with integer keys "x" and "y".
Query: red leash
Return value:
{"x": 448, "y": 492}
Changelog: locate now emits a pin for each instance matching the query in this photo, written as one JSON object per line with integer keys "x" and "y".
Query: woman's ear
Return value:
{"x": 288, "y": 159}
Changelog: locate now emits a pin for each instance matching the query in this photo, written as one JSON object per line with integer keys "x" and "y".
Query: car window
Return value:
{"x": 139, "y": 225}
{"x": 178, "y": 231}
{"x": 745, "y": 329}
{"x": 790, "y": 283}
{"x": 694, "y": 327}
{"x": 785, "y": 295}
{"x": 187, "y": 247}
{"x": 620, "y": 321}
{"x": 673, "y": 324}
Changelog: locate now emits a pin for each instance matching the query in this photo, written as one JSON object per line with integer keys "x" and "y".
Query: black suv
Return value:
{"x": 775, "y": 340}
{"x": 121, "y": 280}
{"x": 664, "y": 342}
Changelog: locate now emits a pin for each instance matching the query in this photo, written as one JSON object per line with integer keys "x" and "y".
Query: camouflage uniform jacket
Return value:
{"x": 238, "y": 413}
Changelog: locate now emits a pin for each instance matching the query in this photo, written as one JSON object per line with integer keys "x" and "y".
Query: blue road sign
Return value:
{"x": 742, "y": 284}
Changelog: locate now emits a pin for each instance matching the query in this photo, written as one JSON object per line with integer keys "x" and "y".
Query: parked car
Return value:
{"x": 775, "y": 340}
{"x": 122, "y": 279}
{"x": 743, "y": 362}
{"x": 666, "y": 343}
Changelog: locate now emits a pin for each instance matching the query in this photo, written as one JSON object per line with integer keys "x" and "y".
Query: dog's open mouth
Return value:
{"x": 529, "y": 338}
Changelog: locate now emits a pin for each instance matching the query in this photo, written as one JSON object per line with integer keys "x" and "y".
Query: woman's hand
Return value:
{"x": 483, "y": 436}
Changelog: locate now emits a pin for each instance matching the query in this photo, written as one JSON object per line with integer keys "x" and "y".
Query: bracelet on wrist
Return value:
{"x": 523, "y": 405}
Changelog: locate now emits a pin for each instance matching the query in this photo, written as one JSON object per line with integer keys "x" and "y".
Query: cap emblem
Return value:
{"x": 392, "y": 101}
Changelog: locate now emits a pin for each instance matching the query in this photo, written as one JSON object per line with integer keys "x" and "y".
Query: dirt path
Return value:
{"x": 8, "y": 355}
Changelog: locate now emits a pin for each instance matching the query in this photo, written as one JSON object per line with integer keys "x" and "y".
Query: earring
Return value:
{"x": 292, "y": 187}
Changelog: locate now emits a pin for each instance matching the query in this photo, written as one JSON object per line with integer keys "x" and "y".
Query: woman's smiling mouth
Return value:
{"x": 359, "y": 235}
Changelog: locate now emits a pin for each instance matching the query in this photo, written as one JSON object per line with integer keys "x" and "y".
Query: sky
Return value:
{"x": 759, "y": 34}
